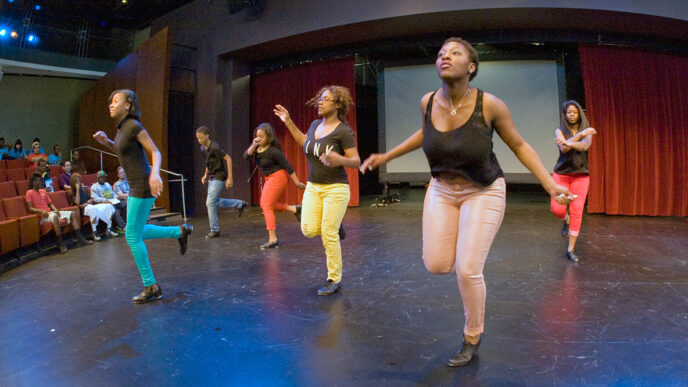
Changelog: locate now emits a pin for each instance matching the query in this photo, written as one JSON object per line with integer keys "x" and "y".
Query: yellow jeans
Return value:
{"x": 322, "y": 212}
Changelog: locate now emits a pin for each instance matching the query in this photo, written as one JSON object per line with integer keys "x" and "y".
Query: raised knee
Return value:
{"x": 309, "y": 232}
{"x": 437, "y": 268}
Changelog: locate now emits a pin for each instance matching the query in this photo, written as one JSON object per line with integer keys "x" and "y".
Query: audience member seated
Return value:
{"x": 95, "y": 211}
{"x": 39, "y": 203}
{"x": 36, "y": 154}
{"x": 66, "y": 176}
{"x": 78, "y": 165}
{"x": 121, "y": 188}
{"x": 38, "y": 140}
{"x": 3, "y": 148}
{"x": 17, "y": 151}
{"x": 44, "y": 172}
{"x": 101, "y": 192}
{"x": 56, "y": 157}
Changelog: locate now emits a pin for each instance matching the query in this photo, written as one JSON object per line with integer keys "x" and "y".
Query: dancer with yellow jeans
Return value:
{"x": 329, "y": 146}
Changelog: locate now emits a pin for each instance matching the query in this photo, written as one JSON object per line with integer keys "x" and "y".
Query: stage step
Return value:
{"x": 160, "y": 215}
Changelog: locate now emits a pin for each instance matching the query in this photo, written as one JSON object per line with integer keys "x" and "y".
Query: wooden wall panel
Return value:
{"x": 146, "y": 71}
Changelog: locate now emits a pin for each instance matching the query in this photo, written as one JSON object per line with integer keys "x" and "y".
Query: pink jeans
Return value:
{"x": 459, "y": 225}
{"x": 578, "y": 184}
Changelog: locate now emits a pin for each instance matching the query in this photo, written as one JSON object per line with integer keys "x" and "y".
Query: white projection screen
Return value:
{"x": 528, "y": 87}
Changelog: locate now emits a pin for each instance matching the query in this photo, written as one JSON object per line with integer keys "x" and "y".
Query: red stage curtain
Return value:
{"x": 291, "y": 88}
{"x": 638, "y": 102}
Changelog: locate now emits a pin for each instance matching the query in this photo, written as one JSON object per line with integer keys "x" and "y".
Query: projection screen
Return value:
{"x": 530, "y": 88}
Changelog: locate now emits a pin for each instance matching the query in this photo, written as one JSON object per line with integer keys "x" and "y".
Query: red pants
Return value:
{"x": 578, "y": 184}
{"x": 273, "y": 188}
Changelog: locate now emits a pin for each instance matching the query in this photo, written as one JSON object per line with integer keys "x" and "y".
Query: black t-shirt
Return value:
{"x": 215, "y": 162}
{"x": 132, "y": 157}
{"x": 341, "y": 138}
{"x": 271, "y": 160}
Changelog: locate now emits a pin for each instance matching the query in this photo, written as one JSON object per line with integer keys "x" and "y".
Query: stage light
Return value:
{"x": 37, "y": 7}
{"x": 103, "y": 24}
{"x": 3, "y": 33}
{"x": 10, "y": 1}
{"x": 124, "y": 1}
{"x": 14, "y": 34}
{"x": 33, "y": 39}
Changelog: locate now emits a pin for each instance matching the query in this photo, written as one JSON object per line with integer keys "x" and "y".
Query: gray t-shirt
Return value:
{"x": 341, "y": 138}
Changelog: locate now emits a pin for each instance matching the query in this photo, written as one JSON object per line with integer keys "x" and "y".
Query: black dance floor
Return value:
{"x": 235, "y": 315}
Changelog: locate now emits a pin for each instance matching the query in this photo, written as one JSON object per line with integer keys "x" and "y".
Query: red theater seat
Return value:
{"x": 15, "y": 208}
{"x": 89, "y": 180}
{"x": 10, "y": 239}
{"x": 13, "y": 164}
{"x": 22, "y": 186}
{"x": 55, "y": 170}
{"x": 28, "y": 171}
{"x": 15, "y": 174}
{"x": 8, "y": 189}
{"x": 3, "y": 174}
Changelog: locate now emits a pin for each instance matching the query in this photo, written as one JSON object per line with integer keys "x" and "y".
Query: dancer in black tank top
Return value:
{"x": 457, "y": 139}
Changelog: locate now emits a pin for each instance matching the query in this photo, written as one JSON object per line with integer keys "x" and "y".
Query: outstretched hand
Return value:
{"x": 101, "y": 137}
{"x": 373, "y": 161}
{"x": 562, "y": 195}
{"x": 282, "y": 113}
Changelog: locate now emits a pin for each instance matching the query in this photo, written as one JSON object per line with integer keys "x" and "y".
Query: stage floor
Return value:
{"x": 235, "y": 315}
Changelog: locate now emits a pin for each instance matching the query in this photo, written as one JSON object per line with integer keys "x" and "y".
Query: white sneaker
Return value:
{"x": 113, "y": 234}
{"x": 96, "y": 237}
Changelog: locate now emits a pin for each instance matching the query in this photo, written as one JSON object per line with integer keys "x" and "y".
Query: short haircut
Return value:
{"x": 203, "y": 130}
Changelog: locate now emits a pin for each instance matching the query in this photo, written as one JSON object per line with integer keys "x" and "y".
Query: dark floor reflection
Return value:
{"x": 233, "y": 314}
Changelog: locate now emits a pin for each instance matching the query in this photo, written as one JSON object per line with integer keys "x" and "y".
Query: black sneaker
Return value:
{"x": 565, "y": 229}
{"x": 242, "y": 207}
{"x": 269, "y": 245}
{"x": 572, "y": 256}
{"x": 330, "y": 289}
{"x": 212, "y": 234}
{"x": 298, "y": 212}
{"x": 342, "y": 232}
{"x": 464, "y": 355}
{"x": 186, "y": 230}
{"x": 149, "y": 293}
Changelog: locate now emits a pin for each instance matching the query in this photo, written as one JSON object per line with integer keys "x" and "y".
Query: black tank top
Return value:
{"x": 572, "y": 161}
{"x": 465, "y": 151}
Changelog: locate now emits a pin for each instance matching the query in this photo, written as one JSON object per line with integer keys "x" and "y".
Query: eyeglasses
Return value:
{"x": 325, "y": 99}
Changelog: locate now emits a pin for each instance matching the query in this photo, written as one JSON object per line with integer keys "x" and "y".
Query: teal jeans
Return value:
{"x": 138, "y": 211}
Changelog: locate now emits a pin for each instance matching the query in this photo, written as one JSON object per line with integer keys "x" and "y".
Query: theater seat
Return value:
{"x": 14, "y": 174}
{"x": 3, "y": 164}
{"x": 28, "y": 171}
{"x": 13, "y": 164}
{"x": 89, "y": 180}
{"x": 3, "y": 174}
{"x": 8, "y": 189}
{"x": 9, "y": 233}
{"x": 22, "y": 186}
{"x": 15, "y": 208}
{"x": 55, "y": 170}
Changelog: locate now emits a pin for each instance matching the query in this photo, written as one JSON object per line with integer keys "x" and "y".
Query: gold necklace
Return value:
{"x": 453, "y": 109}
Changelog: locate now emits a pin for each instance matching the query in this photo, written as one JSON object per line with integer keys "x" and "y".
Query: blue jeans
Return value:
{"x": 213, "y": 202}
{"x": 138, "y": 210}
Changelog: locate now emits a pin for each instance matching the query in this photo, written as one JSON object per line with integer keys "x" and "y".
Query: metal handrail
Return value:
{"x": 180, "y": 180}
